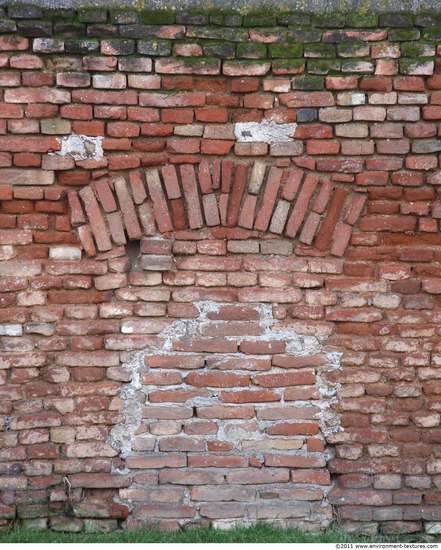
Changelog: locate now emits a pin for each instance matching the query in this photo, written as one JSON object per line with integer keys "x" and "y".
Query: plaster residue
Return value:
{"x": 266, "y": 131}
{"x": 80, "y": 147}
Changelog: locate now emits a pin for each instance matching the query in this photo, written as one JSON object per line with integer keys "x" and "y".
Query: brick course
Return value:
{"x": 199, "y": 328}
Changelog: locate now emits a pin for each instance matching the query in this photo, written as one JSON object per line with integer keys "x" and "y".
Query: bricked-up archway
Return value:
{"x": 227, "y": 402}
{"x": 225, "y": 419}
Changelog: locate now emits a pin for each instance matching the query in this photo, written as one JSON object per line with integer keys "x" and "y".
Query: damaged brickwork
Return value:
{"x": 220, "y": 262}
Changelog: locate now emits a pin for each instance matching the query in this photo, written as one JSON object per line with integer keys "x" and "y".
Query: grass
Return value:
{"x": 260, "y": 533}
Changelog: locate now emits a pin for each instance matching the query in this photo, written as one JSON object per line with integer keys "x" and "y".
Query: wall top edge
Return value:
{"x": 244, "y": 6}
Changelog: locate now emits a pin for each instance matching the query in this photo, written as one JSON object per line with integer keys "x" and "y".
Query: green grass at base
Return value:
{"x": 260, "y": 533}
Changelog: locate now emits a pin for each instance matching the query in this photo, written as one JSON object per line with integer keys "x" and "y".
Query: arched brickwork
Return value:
{"x": 292, "y": 203}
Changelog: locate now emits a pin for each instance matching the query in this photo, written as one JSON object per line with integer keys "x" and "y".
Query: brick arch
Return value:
{"x": 294, "y": 203}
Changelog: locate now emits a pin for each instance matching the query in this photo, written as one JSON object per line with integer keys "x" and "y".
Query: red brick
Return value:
{"x": 300, "y": 208}
{"x": 160, "y": 208}
{"x": 341, "y": 238}
{"x": 324, "y": 234}
{"x": 240, "y": 181}
{"x": 96, "y": 219}
{"x": 307, "y": 99}
{"x": 106, "y": 98}
{"x": 217, "y": 379}
{"x": 105, "y": 195}
{"x": 268, "y": 199}
{"x": 128, "y": 211}
{"x": 205, "y": 181}
{"x": 13, "y": 42}
{"x": 191, "y": 195}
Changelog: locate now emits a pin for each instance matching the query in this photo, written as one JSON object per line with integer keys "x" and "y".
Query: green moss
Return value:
{"x": 353, "y": 48}
{"x": 358, "y": 19}
{"x": 155, "y": 46}
{"x": 248, "y": 62}
{"x": 410, "y": 65}
{"x": 330, "y": 20}
{"x": 227, "y": 19}
{"x": 308, "y": 82}
{"x": 304, "y": 35}
{"x": 323, "y": 66}
{"x": 402, "y": 35}
{"x": 221, "y": 49}
{"x": 259, "y": 533}
{"x": 197, "y": 61}
{"x": 296, "y": 19}
{"x": 251, "y": 50}
{"x": 396, "y": 20}
{"x": 357, "y": 65}
{"x": 432, "y": 34}
{"x": 261, "y": 18}
{"x": 59, "y": 14}
{"x": 286, "y": 49}
{"x": 219, "y": 33}
{"x": 428, "y": 19}
{"x": 122, "y": 16}
{"x": 92, "y": 15}
{"x": 288, "y": 66}
{"x": 417, "y": 49}
{"x": 320, "y": 49}
{"x": 157, "y": 17}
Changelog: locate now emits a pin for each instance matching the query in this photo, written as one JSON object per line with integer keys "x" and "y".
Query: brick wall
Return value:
{"x": 220, "y": 269}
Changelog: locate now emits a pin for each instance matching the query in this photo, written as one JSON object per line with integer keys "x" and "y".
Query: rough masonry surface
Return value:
{"x": 220, "y": 263}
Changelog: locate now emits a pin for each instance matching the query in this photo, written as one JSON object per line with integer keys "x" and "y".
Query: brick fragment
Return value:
{"x": 105, "y": 195}
{"x": 341, "y": 237}
{"x": 309, "y": 228}
{"x": 171, "y": 183}
{"x": 211, "y": 211}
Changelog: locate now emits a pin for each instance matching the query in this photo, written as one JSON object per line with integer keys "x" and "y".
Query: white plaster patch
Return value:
{"x": 81, "y": 147}
{"x": 266, "y": 131}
